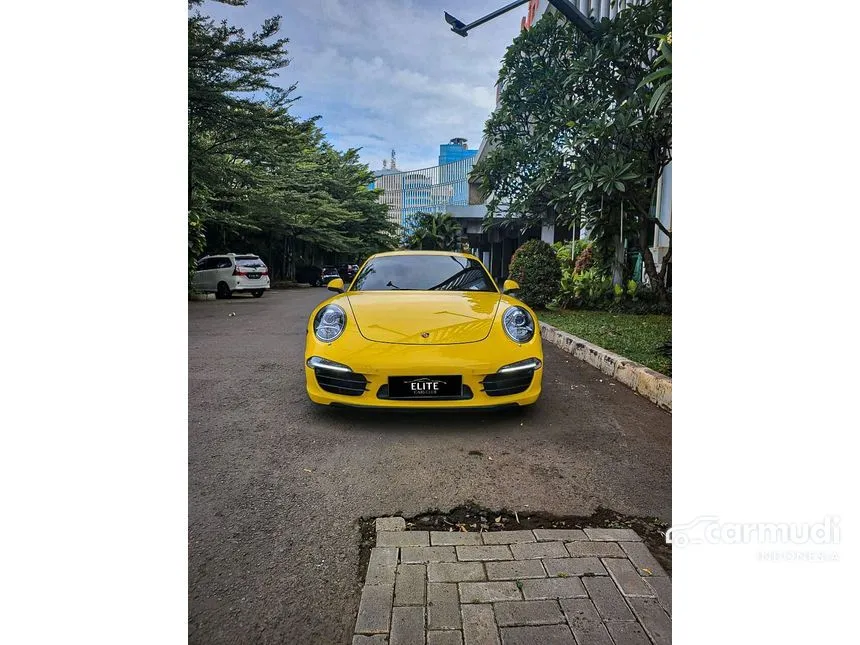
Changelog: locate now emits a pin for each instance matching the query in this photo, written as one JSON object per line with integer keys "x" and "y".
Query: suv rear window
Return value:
{"x": 251, "y": 261}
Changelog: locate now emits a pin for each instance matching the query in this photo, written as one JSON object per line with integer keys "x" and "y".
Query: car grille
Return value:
{"x": 503, "y": 384}
{"x": 347, "y": 383}
{"x": 465, "y": 396}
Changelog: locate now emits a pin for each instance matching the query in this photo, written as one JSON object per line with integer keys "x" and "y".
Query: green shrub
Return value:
{"x": 593, "y": 289}
{"x": 537, "y": 269}
{"x": 643, "y": 301}
{"x": 562, "y": 252}
{"x": 584, "y": 259}
{"x": 585, "y": 290}
{"x": 580, "y": 246}
{"x": 567, "y": 294}
{"x": 632, "y": 285}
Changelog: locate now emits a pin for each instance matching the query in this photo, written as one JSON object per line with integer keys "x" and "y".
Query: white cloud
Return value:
{"x": 389, "y": 73}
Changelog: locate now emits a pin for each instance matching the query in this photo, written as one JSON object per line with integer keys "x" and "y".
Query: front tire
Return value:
{"x": 258, "y": 293}
{"x": 223, "y": 291}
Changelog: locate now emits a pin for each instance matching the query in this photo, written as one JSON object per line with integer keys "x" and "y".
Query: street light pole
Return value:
{"x": 564, "y": 7}
{"x": 462, "y": 29}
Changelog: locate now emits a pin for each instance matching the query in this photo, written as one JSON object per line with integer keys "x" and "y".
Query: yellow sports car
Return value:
{"x": 423, "y": 329}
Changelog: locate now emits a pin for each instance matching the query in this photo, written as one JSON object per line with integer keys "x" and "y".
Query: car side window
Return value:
{"x": 224, "y": 263}
{"x": 201, "y": 265}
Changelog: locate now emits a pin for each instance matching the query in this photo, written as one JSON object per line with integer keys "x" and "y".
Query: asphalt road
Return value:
{"x": 276, "y": 484}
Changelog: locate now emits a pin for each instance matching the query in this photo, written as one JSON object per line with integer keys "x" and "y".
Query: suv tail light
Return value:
{"x": 236, "y": 270}
{"x": 265, "y": 271}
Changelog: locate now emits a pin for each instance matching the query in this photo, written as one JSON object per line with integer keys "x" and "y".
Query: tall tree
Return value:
{"x": 260, "y": 178}
{"x": 574, "y": 139}
{"x": 434, "y": 232}
{"x": 227, "y": 123}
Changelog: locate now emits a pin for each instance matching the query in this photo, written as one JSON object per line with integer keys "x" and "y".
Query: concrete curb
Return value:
{"x": 652, "y": 385}
{"x": 201, "y": 296}
{"x": 290, "y": 285}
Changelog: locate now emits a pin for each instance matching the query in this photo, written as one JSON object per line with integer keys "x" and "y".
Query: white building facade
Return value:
{"x": 436, "y": 189}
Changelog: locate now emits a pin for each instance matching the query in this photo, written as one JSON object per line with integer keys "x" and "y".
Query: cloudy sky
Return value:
{"x": 388, "y": 73}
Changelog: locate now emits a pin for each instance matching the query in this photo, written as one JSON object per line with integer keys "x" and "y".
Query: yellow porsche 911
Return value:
{"x": 423, "y": 329}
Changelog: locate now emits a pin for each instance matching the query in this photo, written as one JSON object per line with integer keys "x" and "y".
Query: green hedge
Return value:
{"x": 537, "y": 269}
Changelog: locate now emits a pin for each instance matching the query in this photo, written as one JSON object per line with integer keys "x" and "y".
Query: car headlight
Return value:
{"x": 329, "y": 323}
{"x": 518, "y": 324}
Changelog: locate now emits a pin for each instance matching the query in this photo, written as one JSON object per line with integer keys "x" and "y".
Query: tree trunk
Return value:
{"x": 618, "y": 260}
{"x": 284, "y": 260}
{"x": 272, "y": 256}
{"x": 577, "y": 227}
{"x": 291, "y": 261}
{"x": 654, "y": 277}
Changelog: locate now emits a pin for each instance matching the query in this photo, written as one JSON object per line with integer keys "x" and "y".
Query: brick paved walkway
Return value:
{"x": 541, "y": 587}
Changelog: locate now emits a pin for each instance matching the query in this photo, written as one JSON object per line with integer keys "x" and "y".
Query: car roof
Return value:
{"x": 460, "y": 254}
{"x": 230, "y": 255}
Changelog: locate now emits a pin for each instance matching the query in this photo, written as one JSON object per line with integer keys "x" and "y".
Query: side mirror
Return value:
{"x": 336, "y": 285}
{"x": 510, "y": 285}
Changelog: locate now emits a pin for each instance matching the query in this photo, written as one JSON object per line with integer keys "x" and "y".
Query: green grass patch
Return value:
{"x": 637, "y": 337}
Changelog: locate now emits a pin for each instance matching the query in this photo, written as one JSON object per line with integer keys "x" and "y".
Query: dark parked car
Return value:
{"x": 310, "y": 275}
{"x": 329, "y": 274}
{"x": 348, "y": 271}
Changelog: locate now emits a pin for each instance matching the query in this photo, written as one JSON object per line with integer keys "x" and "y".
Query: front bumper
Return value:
{"x": 372, "y": 363}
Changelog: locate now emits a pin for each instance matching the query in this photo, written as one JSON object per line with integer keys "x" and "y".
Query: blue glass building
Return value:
{"x": 428, "y": 190}
{"x": 454, "y": 151}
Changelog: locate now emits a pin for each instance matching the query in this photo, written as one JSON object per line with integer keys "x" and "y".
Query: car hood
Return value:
{"x": 424, "y": 317}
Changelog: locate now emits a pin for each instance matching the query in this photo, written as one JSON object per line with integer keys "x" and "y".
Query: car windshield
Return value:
{"x": 423, "y": 273}
{"x": 329, "y": 270}
{"x": 249, "y": 261}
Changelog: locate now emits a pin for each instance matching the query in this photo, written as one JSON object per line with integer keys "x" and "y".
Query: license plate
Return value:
{"x": 424, "y": 387}
{"x": 253, "y": 276}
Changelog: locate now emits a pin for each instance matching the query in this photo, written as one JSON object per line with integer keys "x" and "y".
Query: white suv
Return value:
{"x": 228, "y": 273}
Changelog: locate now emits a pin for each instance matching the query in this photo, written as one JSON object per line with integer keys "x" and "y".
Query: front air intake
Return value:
{"x": 346, "y": 383}
{"x": 504, "y": 384}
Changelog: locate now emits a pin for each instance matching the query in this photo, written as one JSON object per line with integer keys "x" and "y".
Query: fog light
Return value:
{"x": 528, "y": 364}
{"x": 317, "y": 363}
